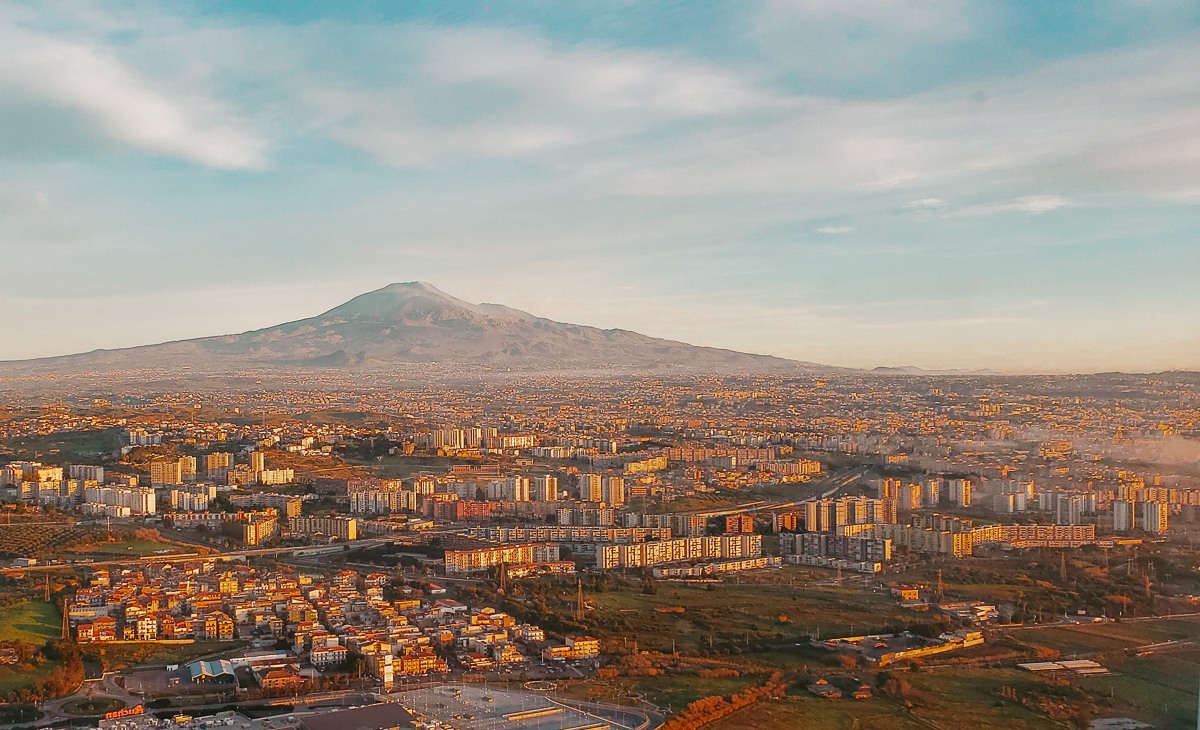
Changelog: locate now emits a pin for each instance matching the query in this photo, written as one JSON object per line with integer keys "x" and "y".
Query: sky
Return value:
{"x": 947, "y": 184}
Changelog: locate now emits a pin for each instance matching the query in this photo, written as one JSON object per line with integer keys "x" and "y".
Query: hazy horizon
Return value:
{"x": 949, "y": 185}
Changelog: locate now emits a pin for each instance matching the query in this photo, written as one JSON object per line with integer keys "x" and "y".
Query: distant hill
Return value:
{"x": 416, "y": 323}
{"x": 914, "y": 370}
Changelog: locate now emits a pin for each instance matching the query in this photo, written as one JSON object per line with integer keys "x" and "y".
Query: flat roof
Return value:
{"x": 372, "y": 717}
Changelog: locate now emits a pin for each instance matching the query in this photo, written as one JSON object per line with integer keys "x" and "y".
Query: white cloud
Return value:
{"x": 836, "y": 229}
{"x": 1077, "y": 123}
{"x": 925, "y": 204}
{"x": 477, "y": 92}
{"x": 44, "y": 77}
{"x": 1031, "y": 204}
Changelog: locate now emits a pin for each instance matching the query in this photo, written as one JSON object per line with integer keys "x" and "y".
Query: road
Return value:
{"x": 220, "y": 555}
{"x": 832, "y": 484}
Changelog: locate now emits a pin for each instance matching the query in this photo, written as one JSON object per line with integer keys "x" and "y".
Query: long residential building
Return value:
{"x": 668, "y": 551}
{"x": 344, "y": 527}
{"x": 382, "y": 501}
{"x": 479, "y": 559}
{"x": 570, "y": 534}
{"x": 958, "y": 544}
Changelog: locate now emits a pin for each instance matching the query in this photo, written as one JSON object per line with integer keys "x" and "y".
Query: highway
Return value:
{"x": 214, "y": 555}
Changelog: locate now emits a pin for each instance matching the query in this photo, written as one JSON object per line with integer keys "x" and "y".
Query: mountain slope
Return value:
{"x": 415, "y": 322}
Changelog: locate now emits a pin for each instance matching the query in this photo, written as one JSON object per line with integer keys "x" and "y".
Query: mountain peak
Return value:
{"x": 414, "y": 321}
{"x": 412, "y": 286}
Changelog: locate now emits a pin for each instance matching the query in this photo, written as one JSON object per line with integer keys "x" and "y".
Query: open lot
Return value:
{"x": 136, "y": 547}
{"x": 940, "y": 700}
{"x": 777, "y": 606}
{"x": 115, "y": 657}
{"x": 667, "y": 692}
{"x": 1158, "y": 688}
{"x": 475, "y": 707}
{"x": 65, "y": 447}
{"x": 31, "y": 622}
{"x": 1109, "y": 637}
{"x": 16, "y": 677}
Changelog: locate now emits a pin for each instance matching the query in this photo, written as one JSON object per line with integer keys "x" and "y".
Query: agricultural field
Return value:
{"x": 40, "y": 540}
{"x": 30, "y": 622}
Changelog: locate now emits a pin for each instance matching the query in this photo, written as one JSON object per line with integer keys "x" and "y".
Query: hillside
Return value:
{"x": 416, "y": 323}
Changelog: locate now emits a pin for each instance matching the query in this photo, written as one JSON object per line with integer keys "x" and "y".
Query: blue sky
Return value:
{"x": 950, "y": 184}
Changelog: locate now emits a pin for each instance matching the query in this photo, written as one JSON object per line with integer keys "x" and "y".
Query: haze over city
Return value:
{"x": 947, "y": 185}
{"x": 780, "y": 364}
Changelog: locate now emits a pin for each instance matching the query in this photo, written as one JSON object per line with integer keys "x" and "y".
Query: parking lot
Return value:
{"x": 477, "y": 707}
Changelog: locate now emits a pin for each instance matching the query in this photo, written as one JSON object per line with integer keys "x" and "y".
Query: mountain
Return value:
{"x": 914, "y": 370}
{"x": 416, "y": 323}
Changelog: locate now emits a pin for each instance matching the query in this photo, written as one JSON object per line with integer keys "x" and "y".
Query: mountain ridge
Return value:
{"x": 415, "y": 322}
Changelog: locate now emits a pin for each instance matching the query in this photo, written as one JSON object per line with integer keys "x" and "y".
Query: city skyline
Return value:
{"x": 950, "y": 185}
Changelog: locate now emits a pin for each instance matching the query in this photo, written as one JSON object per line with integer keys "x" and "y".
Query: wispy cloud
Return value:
{"x": 836, "y": 229}
{"x": 1030, "y": 204}
{"x": 48, "y": 82}
{"x": 490, "y": 93}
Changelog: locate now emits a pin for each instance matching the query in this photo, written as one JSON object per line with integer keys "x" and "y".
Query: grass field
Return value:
{"x": 73, "y": 446}
{"x": 948, "y": 701}
{"x": 1159, "y": 689}
{"x": 15, "y": 713}
{"x": 679, "y": 692}
{"x": 971, "y": 697}
{"x": 31, "y": 622}
{"x": 125, "y": 656}
{"x": 674, "y": 692}
{"x": 1092, "y": 638}
{"x": 16, "y": 677}
{"x": 127, "y": 547}
{"x": 98, "y": 706}
{"x": 810, "y": 713}
{"x": 733, "y": 614}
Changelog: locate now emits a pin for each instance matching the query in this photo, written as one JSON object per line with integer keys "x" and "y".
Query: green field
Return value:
{"x": 943, "y": 700}
{"x": 66, "y": 447}
{"x": 679, "y": 692}
{"x": 126, "y": 656}
{"x": 1111, "y": 637}
{"x": 15, "y": 713}
{"x": 16, "y": 677}
{"x": 733, "y": 615}
{"x": 1159, "y": 689}
{"x": 98, "y": 706}
{"x": 127, "y": 547}
{"x": 31, "y": 622}
{"x": 810, "y": 713}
